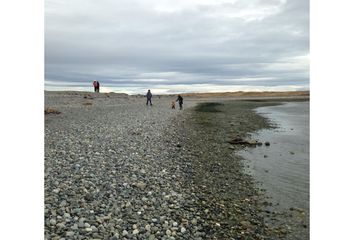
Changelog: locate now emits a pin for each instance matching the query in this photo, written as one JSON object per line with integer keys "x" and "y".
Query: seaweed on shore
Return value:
{"x": 208, "y": 107}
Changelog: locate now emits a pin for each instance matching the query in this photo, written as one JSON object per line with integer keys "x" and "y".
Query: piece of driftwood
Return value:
{"x": 242, "y": 141}
{"x": 49, "y": 110}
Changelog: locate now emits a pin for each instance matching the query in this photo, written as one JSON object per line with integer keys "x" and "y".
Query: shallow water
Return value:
{"x": 283, "y": 167}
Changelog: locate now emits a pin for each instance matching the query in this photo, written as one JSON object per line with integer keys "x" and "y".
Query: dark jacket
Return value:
{"x": 149, "y": 95}
{"x": 180, "y": 99}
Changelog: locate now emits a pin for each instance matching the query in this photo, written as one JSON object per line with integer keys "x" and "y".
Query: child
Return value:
{"x": 173, "y": 105}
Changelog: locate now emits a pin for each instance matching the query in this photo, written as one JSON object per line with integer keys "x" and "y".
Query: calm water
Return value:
{"x": 283, "y": 167}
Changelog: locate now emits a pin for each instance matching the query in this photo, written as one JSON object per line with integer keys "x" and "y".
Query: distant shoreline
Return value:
{"x": 203, "y": 94}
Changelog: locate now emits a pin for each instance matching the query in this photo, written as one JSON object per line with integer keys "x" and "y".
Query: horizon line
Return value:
{"x": 185, "y": 93}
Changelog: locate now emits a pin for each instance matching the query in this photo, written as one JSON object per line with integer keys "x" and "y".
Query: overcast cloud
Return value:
{"x": 174, "y": 46}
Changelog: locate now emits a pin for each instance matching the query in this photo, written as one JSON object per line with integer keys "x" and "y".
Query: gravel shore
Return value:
{"x": 117, "y": 169}
{"x": 109, "y": 172}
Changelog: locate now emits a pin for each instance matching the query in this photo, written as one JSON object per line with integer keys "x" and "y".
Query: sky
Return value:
{"x": 172, "y": 46}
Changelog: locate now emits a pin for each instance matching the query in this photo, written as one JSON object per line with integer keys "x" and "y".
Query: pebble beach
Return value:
{"x": 118, "y": 169}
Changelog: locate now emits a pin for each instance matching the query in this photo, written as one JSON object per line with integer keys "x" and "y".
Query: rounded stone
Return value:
{"x": 125, "y": 233}
{"x": 69, "y": 233}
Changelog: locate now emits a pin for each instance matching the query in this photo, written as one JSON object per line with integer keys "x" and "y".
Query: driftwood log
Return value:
{"x": 241, "y": 141}
{"x": 49, "y": 110}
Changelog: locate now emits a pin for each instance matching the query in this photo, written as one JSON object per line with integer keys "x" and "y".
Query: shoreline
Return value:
{"x": 197, "y": 95}
{"x": 235, "y": 204}
{"x": 153, "y": 179}
{"x": 222, "y": 178}
{"x": 283, "y": 167}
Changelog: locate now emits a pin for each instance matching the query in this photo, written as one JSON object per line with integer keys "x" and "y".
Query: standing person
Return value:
{"x": 98, "y": 86}
{"x": 148, "y": 97}
{"x": 180, "y": 101}
{"x": 95, "y": 85}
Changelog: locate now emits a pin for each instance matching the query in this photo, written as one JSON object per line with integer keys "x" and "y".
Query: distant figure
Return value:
{"x": 180, "y": 101}
{"x": 173, "y": 105}
{"x": 96, "y": 86}
{"x": 148, "y": 97}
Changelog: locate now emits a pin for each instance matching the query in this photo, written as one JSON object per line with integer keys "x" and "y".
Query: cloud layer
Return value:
{"x": 177, "y": 46}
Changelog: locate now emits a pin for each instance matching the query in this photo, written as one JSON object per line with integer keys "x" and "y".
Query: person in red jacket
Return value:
{"x": 95, "y": 85}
